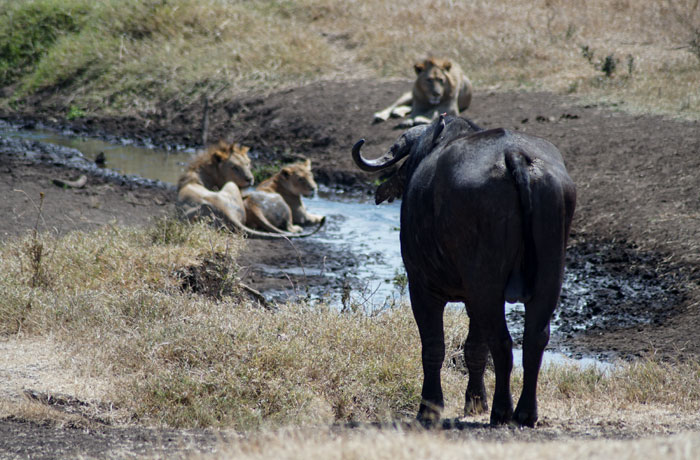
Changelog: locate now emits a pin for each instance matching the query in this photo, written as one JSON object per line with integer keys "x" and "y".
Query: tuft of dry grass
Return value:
{"x": 115, "y": 300}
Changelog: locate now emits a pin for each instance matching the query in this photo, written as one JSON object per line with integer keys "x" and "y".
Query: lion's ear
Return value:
{"x": 419, "y": 67}
{"x": 240, "y": 149}
{"x": 219, "y": 156}
{"x": 285, "y": 172}
{"x": 307, "y": 163}
{"x": 447, "y": 65}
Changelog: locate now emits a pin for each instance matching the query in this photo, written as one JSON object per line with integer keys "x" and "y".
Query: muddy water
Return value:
{"x": 360, "y": 227}
{"x": 373, "y": 232}
{"x": 123, "y": 157}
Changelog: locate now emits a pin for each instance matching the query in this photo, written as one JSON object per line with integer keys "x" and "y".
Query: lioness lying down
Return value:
{"x": 276, "y": 202}
{"x": 440, "y": 87}
{"x": 209, "y": 188}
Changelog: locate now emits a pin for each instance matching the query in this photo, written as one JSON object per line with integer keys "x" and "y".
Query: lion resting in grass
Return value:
{"x": 210, "y": 189}
{"x": 277, "y": 201}
{"x": 440, "y": 87}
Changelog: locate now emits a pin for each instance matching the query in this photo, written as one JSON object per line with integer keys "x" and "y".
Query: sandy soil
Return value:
{"x": 637, "y": 222}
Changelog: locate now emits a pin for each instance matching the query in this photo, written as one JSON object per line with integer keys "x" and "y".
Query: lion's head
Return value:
{"x": 435, "y": 80}
{"x": 298, "y": 179}
{"x": 218, "y": 165}
{"x": 232, "y": 164}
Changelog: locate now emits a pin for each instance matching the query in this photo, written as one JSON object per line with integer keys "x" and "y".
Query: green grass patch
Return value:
{"x": 29, "y": 29}
{"x": 131, "y": 54}
{"x": 265, "y": 171}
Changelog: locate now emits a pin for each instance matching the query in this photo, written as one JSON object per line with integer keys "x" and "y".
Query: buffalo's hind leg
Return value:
{"x": 488, "y": 325}
{"x": 428, "y": 313}
{"x": 501, "y": 346}
{"x": 538, "y": 310}
{"x": 535, "y": 339}
{"x": 476, "y": 353}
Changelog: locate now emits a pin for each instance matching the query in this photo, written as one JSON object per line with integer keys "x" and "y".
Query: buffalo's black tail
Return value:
{"x": 518, "y": 163}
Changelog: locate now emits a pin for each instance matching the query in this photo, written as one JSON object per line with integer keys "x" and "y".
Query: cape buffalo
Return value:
{"x": 485, "y": 216}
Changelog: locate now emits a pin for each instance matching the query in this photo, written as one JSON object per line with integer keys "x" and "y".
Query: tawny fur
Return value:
{"x": 277, "y": 200}
{"x": 210, "y": 186}
{"x": 440, "y": 87}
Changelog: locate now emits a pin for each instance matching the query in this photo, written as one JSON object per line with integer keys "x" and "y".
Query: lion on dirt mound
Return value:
{"x": 277, "y": 200}
{"x": 209, "y": 188}
{"x": 440, "y": 87}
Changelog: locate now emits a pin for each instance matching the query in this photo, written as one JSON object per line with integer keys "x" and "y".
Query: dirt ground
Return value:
{"x": 635, "y": 238}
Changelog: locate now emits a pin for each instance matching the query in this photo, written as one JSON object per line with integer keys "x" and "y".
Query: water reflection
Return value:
{"x": 125, "y": 158}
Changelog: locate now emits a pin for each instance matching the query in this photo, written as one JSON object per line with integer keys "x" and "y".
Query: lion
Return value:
{"x": 209, "y": 188}
{"x": 277, "y": 200}
{"x": 440, "y": 87}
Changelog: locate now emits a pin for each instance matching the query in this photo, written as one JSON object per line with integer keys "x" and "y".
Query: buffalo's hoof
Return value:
{"x": 475, "y": 405}
{"x": 428, "y": 417}
{"x": 501, "y": 416}
{"x": 524, "y": 418}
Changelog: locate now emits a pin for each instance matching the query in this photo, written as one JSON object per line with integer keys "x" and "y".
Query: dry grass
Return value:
{"x": 135, "y": 54}
{"x": 111, "y": 303}
{"x": 539, "y": 45}
{"x": 378, "y": 445}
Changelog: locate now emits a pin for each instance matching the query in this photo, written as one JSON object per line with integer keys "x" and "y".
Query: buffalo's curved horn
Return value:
{"x": 399, "y": 150}
{"x": 375, "y": 165}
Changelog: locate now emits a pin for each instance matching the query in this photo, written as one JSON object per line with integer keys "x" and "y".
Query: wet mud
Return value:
{"x": 633, "y": 283}
{"x": 608, "y": 284}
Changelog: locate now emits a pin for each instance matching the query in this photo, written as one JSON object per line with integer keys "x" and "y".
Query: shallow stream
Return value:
{"x": 356, "y": 226}
{"x": 124, "y": 157}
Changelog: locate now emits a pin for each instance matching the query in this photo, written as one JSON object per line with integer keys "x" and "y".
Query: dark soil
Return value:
{"x": 44, "y": 441}
{"x": 29, "y": 169}
{"x": 633, "y": 262}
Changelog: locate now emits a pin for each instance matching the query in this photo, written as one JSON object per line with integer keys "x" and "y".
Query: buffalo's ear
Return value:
{"x": 388, "y": 190}
{"x": 392, "y": 188}
{"x": 419, "y": 67}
